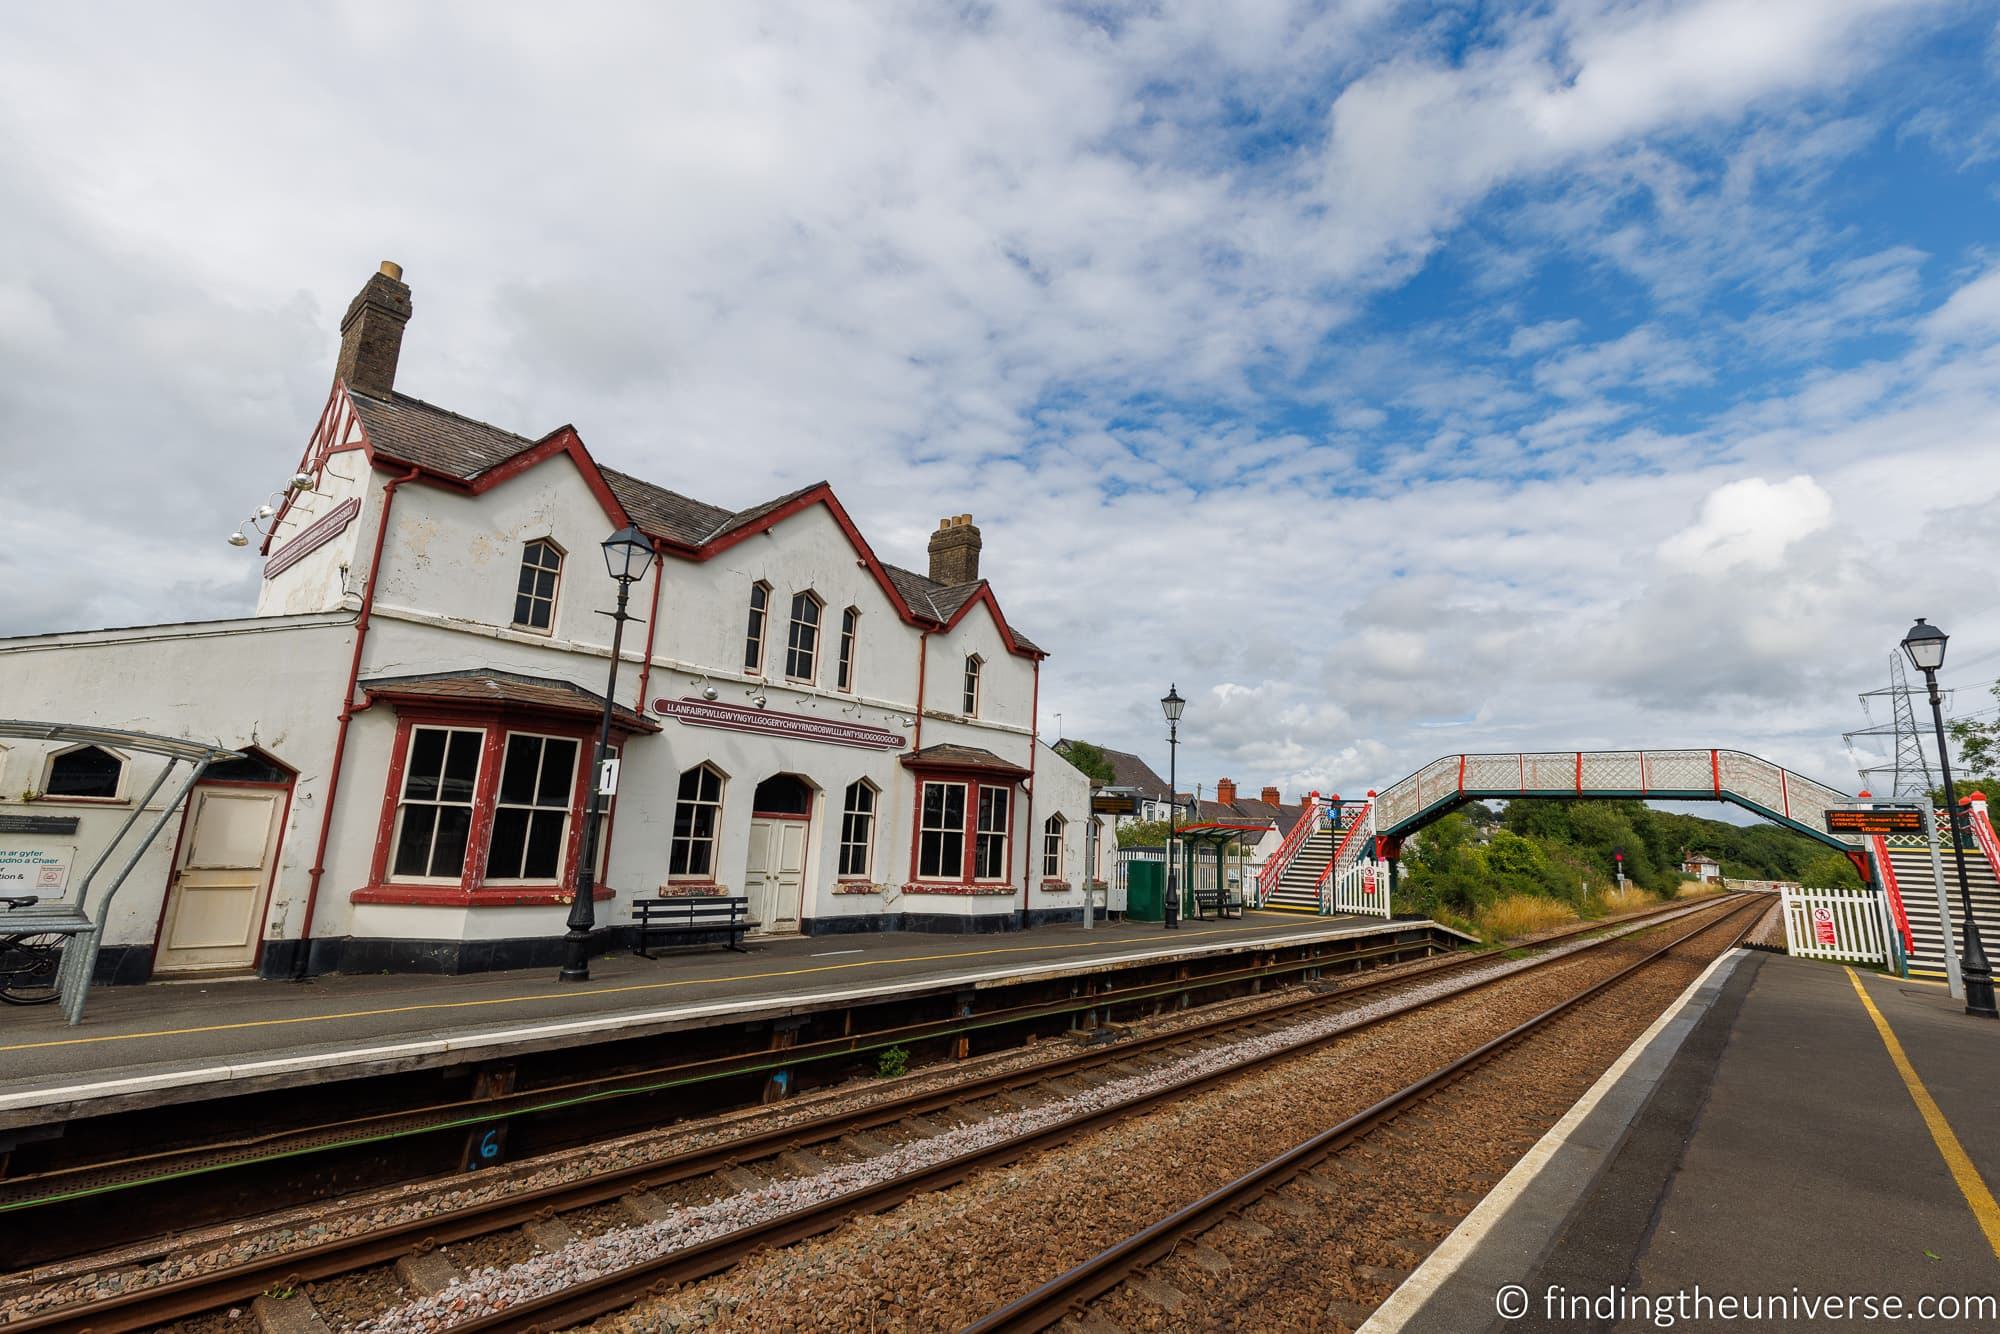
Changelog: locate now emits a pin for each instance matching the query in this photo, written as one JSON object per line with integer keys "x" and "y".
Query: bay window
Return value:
{"x": 989, "y": 854}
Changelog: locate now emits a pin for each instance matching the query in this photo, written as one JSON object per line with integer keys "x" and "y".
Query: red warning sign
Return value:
{"x": 1367, "y": 880}
{"x": 1823, "y": 931}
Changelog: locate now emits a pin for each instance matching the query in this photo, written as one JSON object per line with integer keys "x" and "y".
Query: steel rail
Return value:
{"x": 457, "y": 1113}
{"x": 145, "y": 1307}
{"x": 1069, "y": 1291}
{"x": 620, "y": 1288}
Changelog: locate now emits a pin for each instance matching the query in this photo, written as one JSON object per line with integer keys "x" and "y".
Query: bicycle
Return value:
{"x": 28, "y": 961}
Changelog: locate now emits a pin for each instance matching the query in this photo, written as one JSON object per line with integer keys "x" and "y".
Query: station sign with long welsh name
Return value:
{"x": 737, "y": 718}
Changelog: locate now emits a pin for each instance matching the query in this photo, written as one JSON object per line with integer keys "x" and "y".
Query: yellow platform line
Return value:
{"x": 1970, "y": 1184}
{"x": 595, "y": 991}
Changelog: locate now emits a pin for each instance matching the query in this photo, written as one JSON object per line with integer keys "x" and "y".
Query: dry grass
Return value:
{"x": 1697, "y": 889}
{"x": 1616, "y": 901}
{"x": 1522, "y": 915}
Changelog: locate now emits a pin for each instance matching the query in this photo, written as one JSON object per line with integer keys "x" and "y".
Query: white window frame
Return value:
{"x": 555, "y": 586}
{"x": 119, "y": 794}
{"x": 757, "y": 631}
{"x": 954, "y": 872}
{"x": 850, "y": 632}
{"x": 404, "y": 801}
{"x": 1054, "y": 830}
{"x": 568, "y": 809}
{"x": 795, "y": 627}
{"x": 1003, "y": 833}
{"x": 713, "y": 838}
{"x": 975, "y": 674}
{"x": 867, "y": 820}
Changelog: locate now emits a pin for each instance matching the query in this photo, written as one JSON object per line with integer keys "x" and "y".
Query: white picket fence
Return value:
{"x": 1847, "y": 924}
{"x": 1361, "y": 888}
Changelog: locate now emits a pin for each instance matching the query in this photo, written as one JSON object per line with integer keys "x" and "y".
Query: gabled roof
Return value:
{"x": 1250, "y": 811}
{"x": 473, "y": 454}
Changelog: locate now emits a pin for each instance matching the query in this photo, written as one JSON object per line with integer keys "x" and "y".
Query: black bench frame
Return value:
{"x": 692, "y": 914}
{"x": 1223, "y": 905}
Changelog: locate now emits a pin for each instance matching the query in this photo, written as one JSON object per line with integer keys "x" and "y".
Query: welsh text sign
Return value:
{"x": 737, "y": 718}
{"x": 1882, "y": 820}
{"x": 35, "y": 868}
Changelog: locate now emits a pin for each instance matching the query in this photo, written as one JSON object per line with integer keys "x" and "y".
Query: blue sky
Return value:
{"x": 1394, "y": 378}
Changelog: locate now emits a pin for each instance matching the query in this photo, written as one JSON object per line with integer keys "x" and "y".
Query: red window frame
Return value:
{"x": 470, "y": 889}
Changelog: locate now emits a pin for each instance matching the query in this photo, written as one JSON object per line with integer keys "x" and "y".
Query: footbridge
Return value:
{"x": 1357, "y": 836}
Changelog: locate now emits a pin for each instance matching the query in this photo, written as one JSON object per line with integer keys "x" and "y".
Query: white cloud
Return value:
{"x": 1749, "y": 525}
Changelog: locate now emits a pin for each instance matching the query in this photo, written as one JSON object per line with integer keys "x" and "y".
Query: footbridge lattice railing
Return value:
{"x": 1714, "y": 775}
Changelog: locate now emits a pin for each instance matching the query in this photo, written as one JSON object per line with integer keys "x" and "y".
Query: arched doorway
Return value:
{"x": 212, "y": 916}
{"x": 774, "y": 873}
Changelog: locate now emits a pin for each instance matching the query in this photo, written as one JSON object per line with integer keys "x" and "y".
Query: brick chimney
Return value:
{"x": 955, "y": 551}
{"x": 1271, "y": 797}
{"x": 1225, "y": 791}
{"x": 371, "y": 334}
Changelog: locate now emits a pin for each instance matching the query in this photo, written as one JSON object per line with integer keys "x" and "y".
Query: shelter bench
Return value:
{"x": 692, "y": 915}
{"x": 1208, "y": 901}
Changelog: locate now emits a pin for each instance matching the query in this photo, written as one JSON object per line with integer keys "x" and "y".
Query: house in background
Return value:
{"x": 1701, "y": 866}
{"x": 1135, "y": 793}
{"x": 849, "y": 744}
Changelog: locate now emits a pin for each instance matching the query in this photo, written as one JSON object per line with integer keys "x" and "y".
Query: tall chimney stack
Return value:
{"x": 1225, "y": 791}
{"x": 1271, "y": 797}
{"x": 371, "y": 334}
{"x": 955, "y": 551}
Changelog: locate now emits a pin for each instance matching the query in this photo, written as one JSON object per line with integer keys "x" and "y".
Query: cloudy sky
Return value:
{"x": 1398, "y": 379}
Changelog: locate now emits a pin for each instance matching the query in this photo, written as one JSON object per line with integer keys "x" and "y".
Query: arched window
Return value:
{"x": 971, "y": 700}
{"x": 88, "y": 773}
{"x": 802, "y": 646}
{"x": 535, "y": 595}
{"x": 850, "y": 620}
{"x": 697, "y": 820}
{"x": 857, "y": 830}
{"x": 1052, "y": 847}
{"x": 753, "y": 640}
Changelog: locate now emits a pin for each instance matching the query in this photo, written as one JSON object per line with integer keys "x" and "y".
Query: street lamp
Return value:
{"x": 626, "y": 553}
{"x": 1925, "y": 646}
{"x": 1171, "y": 704}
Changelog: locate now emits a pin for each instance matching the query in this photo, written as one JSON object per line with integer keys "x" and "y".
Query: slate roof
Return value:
{"x": 412, "y": 431}
{"x": 1128, "y": 770}
{"x": 507, "y": 688}
{"x": 1249, "y": 811}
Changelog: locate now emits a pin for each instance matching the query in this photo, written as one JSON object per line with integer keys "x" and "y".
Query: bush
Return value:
{"x": 1615, "y": 901}
{"x": 1521, "y": 915}
{"x": 891, "y": 1063}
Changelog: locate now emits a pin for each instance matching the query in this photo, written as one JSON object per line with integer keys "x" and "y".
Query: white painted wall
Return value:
{"x": 272, "y": 682}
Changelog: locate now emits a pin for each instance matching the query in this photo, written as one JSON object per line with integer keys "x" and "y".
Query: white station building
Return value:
{"x": 850, "y": 745}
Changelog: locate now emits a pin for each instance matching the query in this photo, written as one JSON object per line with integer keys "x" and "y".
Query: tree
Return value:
{"x": 1978, "y": 743}
{"x": 1091, "y": 760}
{"x": 1832, "y": 871}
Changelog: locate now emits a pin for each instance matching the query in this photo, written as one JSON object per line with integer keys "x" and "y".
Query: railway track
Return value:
{"x": 846, "y": 1158}
{"x": 1072, "y": 1293}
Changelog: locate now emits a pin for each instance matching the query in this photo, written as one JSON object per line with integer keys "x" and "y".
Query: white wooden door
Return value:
{"x": 215, "y": 901}
{"x": 775, "y": 876}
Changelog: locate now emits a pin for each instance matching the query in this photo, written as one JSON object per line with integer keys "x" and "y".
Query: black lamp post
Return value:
{"x": 1925, "y": 645}
{"x": 626, "y": 553}
{"x": 1171, "y": 704}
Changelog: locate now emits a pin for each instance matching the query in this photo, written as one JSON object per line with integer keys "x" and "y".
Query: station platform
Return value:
{"x": 178, "y": 1042}
{"x": 1791, "y": 1133}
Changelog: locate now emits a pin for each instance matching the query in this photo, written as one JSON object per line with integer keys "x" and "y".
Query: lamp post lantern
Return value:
{"x": 1171, "y": 704}
{"x": 626, "y": 553}
{"x": 1925, "y": 646}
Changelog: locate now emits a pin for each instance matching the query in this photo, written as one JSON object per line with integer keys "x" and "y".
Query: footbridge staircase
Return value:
{"x": 1911, "y": 878}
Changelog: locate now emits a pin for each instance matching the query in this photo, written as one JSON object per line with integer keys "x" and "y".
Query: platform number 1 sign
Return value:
{"x": 607, "y": 777}
{"x": 1823, "y": 932}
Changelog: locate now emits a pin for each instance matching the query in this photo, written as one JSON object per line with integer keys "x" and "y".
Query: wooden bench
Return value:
{"x": 691, "y": 915}
{"x": 1208, "y": 901}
